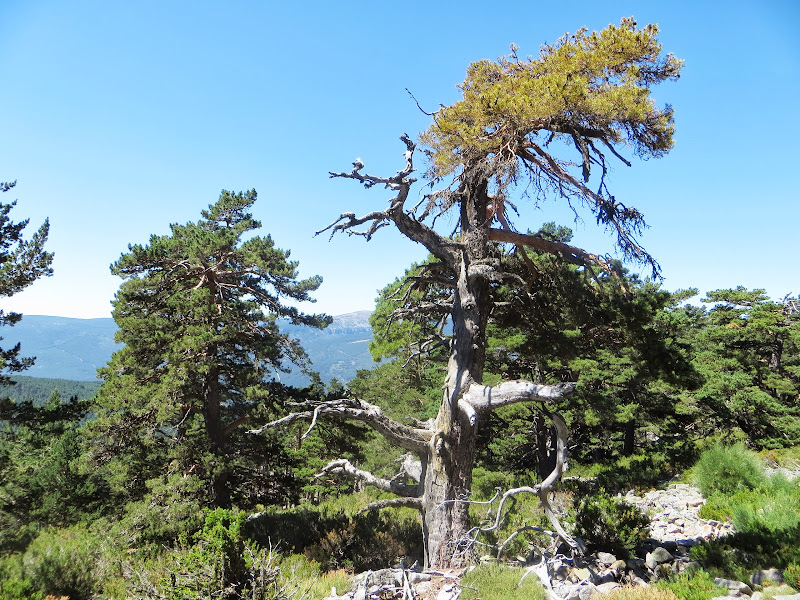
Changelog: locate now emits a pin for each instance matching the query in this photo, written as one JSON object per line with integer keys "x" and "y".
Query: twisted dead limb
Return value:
{"x": 543, "y": 491}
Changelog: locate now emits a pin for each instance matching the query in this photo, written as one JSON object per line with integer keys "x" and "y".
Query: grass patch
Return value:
{"x": 640, "y": 593}
{"x": 697, "y": 585}
{"x": 498, "y": 582}
{"x": 302, "y": 578}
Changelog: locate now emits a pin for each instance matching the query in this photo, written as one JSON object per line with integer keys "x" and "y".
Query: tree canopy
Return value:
{"x": 197, "y": 313}
{"x": 21, "y": 263}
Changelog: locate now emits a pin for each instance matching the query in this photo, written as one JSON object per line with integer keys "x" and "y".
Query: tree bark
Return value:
{"x": 212, "y": 413}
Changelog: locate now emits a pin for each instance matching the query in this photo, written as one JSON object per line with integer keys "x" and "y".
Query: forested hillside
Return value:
{"x": 40, "y": 389}
{"x": 73, "y": 349}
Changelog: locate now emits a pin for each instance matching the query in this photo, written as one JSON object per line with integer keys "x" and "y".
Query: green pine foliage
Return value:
{"x": 21, "y": 263}
{"x": 197, "y": 314}
{"x": 39, "y": 389}
{"x": 748, "y": 352}
{"x": 611, "y": 524}
{"x": 615, "y": 334}
{"x": 41, "y": 483}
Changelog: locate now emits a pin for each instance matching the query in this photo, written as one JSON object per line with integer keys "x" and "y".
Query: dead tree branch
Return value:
{"x": 543, "y": 491}
{"x": 411, "y": 438}
{"x": 343, "y": 466}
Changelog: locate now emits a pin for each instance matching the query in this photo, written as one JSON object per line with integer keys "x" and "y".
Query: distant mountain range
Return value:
{"x": 74, "y": 349}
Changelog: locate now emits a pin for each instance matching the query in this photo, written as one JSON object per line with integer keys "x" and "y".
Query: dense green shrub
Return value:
{"x": 791, "y": 575}
{"x": 728, "y": 469}
{"x": 337, "y": 539}
{"x": 611, "y": 524}
{"x": 220, "y": 563}
{"x": 769, "y": 510}
{"x": 697, "y": 585}
{"x": 64, "y": 562}
{"x": 13, "y": 584}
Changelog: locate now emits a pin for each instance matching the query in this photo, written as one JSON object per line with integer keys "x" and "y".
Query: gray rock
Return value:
{"x": 585, "y": 592}
{"x": 605, "y": 588}
{"x": 657, "y": 557}
{"x": 619, "y": 566}
{"x": 606, "y": 577}
{"x": 606, "y": 558}
{"x": 770, "y": 575}
{"x": 581, "y": 574}
{"x": 418, "y": 577}
{"x": 635, "y": 563}
{"x": 451, "y": 591}
{"x": 735, "y": 588}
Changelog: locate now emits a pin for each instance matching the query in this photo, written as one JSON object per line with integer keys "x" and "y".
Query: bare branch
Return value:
{"x": 347, "y": 221}
{"x": 567, "y": 253}
{"x": 413, "y": 229}
{"x": 542, "y": 490}
{"x": 410, "y": 438}
{"x": 484, "y": 397}
{"x": 344, "y": 467}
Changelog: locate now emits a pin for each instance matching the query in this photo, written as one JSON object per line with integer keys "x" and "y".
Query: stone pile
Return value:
{"x": 675, "y": 515}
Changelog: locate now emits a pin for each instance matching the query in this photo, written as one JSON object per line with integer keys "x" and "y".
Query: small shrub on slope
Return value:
{"x": 611, "y": 524}
{"x": 728, "y": 469}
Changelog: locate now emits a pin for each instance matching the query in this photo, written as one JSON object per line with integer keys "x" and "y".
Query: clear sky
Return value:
{"x": 119, "y": 118}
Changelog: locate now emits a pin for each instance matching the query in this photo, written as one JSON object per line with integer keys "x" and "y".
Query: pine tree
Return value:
{"x": 197, "y": 314}
{"x": 40, "y": 483}
{"x": 749, "y": 354}
{"x": 21, "y": 263}
{"x": 590, "y": 91}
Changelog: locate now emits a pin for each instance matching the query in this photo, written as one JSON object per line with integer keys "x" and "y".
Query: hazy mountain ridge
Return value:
{"x": 74, "y": 349}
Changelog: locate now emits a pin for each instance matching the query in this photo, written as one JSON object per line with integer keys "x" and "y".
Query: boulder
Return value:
{"x": 735, "y": 588}
{"x": 606, "y": 558}
{"x": 766, "y": 575}
{"x": 657, "y": 557}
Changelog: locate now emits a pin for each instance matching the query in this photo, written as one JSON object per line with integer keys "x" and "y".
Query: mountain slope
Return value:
{"x": 75, "y": 348}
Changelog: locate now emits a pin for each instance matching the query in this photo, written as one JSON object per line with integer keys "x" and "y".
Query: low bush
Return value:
{"x": 728, "y": 469}
{"x": 791, "y": 575}
{"x": 611, "y": 524}
{"x": 219, "y": 563}
{"x": 697, "y": 585}
{"x": 63, "y": 562}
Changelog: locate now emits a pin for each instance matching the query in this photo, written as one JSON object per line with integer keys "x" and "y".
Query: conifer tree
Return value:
{"x": 197, "y": 313}
{"x": 21, "y": 263}
{"x": 40, "y": 483}
{"x": 543, "y": 127}
{"x": 749, "y": 354}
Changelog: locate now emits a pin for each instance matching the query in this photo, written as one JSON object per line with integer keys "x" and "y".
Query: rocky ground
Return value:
{"x": 675, "y": 527}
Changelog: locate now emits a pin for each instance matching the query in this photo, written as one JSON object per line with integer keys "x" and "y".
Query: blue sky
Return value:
{"x": 119, "y": 118}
